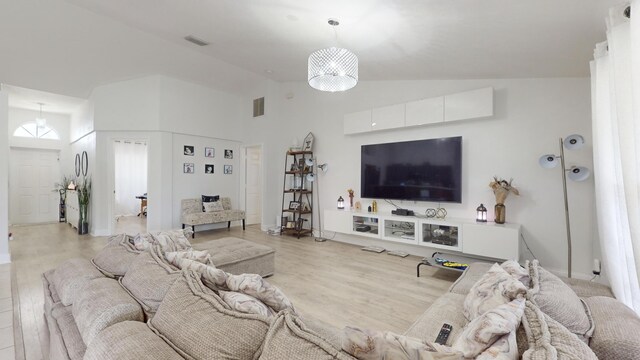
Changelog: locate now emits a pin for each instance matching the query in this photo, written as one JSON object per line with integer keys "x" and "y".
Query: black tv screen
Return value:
{"x": 421, "y": 170}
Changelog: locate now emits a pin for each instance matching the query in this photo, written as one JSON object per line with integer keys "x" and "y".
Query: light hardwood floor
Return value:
{"x": 330, "y": 281}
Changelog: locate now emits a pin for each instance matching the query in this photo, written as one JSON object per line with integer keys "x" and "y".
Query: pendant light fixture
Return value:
{"x": 41, "y": 122}
{"x": 333, "y": 69}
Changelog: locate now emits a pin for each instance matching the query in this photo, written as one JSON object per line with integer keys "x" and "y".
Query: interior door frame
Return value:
{"x": 112, "y": 178}
{"x": 243, "y": 184}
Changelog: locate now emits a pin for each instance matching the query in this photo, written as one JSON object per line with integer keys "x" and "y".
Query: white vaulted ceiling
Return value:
{"x": 89, "y": 42}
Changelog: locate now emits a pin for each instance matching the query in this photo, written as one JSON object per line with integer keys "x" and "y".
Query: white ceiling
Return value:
{"x": 51, "y": 103}
{"x": 72, "y": 46}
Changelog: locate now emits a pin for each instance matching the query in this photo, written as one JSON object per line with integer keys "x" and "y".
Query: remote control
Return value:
{"x": 443, "y": 335}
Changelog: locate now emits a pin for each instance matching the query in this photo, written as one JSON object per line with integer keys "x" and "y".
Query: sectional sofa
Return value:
{"x": 155, "y": 311}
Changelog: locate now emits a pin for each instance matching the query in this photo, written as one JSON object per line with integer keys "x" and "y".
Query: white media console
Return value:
{"x": 467, "y": 237}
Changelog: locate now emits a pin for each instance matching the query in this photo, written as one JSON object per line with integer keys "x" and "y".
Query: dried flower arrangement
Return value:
{"x": 351, "y": 194}
{"x": 501, "y": 189}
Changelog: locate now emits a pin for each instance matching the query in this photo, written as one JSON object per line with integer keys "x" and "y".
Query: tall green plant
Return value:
{"x": 84, "y": 191}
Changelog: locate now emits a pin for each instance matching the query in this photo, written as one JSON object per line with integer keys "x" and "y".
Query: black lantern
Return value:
{"x": 340, "y": 203}
{"x": 481, "y": 213}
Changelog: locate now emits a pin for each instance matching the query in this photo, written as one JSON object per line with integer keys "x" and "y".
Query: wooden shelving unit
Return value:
{"x": 295, "y": 188}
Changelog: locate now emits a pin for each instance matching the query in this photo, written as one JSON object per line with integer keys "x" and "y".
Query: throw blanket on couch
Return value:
{"x": 248, "y": 293}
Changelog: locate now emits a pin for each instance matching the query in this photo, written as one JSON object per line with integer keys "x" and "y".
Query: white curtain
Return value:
{"x": 615, "y": 91}
{"x": 131, "y": 175}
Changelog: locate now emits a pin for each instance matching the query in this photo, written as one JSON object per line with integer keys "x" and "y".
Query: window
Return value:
{"x": 32, "y": 130}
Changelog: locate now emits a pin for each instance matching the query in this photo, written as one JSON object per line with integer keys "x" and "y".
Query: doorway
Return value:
{"x": 253, "y": 184}
{"x": 130, "y": 186}
{"x": 33, "y": 173}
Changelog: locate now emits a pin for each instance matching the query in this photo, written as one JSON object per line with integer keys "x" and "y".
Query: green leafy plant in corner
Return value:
{"x": 84, "y": 196}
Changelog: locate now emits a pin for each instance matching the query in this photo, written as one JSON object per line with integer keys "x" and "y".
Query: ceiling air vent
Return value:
{"x": 258, "y": 107}
{"x": 195, "y": 40}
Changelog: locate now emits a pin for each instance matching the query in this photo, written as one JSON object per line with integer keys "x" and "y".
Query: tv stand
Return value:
{"x": 458, "y": 236}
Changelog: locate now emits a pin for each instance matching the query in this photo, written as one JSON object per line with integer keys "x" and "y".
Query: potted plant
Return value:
{"x": 84, "y": 195}
{"x": 61, "y": 188}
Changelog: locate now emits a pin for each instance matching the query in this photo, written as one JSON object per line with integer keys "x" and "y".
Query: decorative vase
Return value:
{"x": 500, "y": 211}
{"x": 83, "y": 224}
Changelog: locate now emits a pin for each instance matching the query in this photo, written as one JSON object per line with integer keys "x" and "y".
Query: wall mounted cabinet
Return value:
{"x": 388, "y": 117}
{"x": 474, "y": 104}
{"x": 425, "y": 112}
{"x": 358, "y": 122}
{"x": 466, "y": 105}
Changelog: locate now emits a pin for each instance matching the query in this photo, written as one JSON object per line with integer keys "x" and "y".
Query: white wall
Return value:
{"x": 82, "y": 121}
{"x": 270, "y": 130}
{"x": 186, "y": 186}
{"x": 127, "y": 105}
{"x": 157, "y": 108}
{"x": 5, "y": 257}
{"x": 188, "y": 108}
{"x": 530, "y": 116}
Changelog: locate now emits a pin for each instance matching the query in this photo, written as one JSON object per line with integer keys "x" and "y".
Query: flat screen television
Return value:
{"x": 420, "y": 170}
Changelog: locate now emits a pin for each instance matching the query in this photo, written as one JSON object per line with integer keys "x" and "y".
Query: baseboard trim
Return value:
{"x": 5, "y": 258}
{"x": 97, "y": 233}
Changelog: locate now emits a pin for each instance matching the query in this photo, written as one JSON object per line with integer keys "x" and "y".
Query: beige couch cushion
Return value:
{"x": 129, "y": 340}
{"x": 72, "y": 342}
{"x": 197, "y": 323}
{"x": 446, "y": 309}
{"x": 586, "y": 288}
{"x": 102, "y": 304}
{"x": 549, "y": 340}
{"x": 469, "y": 277}
{"x": 116, "y": 257}
{"x": 288, "y": 335}
{"x": 617, "y": 332}
{"x": 71, "y": 276}
{"x": 556, "y": 299}
{"x": 149, "y": 278}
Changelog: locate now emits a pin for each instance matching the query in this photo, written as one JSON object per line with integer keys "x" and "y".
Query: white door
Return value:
{"x": 33, "y": 173}
{"x": 253, "y": 184}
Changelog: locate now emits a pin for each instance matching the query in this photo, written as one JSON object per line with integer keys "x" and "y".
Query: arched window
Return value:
{"x": 35, "y": 131}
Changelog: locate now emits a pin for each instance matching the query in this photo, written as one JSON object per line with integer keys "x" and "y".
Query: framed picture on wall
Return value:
{"x": 228, "y": 154}
{"x": 189, "y": 150}
{"x": 188, "y": 168}
{"x": 208, "y": 169}
{"x": 209, "y": 152}
{"x": 228, "y": 169}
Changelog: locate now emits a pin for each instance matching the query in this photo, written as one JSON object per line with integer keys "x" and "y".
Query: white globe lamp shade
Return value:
{"x": 548, "y": 161}
{"x": 579, "y": 173}
{"x": 573, "y": 142}
{"x": 333, "y": 69}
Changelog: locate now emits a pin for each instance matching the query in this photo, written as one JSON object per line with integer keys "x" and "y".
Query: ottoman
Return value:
{"x": 238, "y": 256}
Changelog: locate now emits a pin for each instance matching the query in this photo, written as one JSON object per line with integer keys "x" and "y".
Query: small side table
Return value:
{"x": 143, "y": 204}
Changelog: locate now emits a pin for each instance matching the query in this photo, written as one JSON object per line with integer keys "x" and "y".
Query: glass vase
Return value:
{"x": 500, "y": 212}
{"x": 83, "y": 221}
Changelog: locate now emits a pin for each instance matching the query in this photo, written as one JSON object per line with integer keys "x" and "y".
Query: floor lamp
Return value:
{"x": 576, "y": 173}
{"x": 313, "y": 177}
